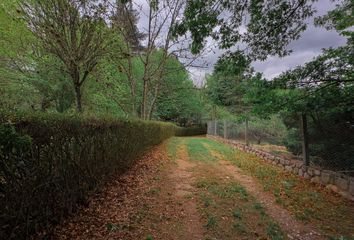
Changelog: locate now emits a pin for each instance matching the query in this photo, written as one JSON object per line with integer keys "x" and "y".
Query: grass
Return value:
{"x": 207, "y": 201}
{"x": 149, "y": 237}
{"x": 274, "y": 231}
{"x": 229, "y": 210}
{"x": 237, "y": 214}
{"x": 307, "y": 201}
{"x": 111, "y": 227}
{"x": 240, "y": 228}
{"x": 216, "y": 195}
{"x": 153, "y": 191}
{"x": 259, "y": 208}
{"x": 223, "y": 191}
{"x": 211, "y": 222}
{"x": 172, "y": 148}
{"x": 197, "y": 150}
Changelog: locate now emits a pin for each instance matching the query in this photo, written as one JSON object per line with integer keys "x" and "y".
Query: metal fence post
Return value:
{"x": 225, "y": 129}
{"x": 246, "y": 133}
{"x": 305, "y": 143}
{"x": 215, "y": 128}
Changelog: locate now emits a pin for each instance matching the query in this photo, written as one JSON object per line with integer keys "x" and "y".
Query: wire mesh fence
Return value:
{"x": 330, "y": 148}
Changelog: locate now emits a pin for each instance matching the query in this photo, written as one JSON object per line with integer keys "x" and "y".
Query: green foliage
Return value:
{"x": 227, "y": 85}
{"x": 322, "y": 89}
{"x": 179, "y": 100}
{"x": 111, "y": 227}
{"x": 52, "y": 162}
{"x": 78, "y": 40}
{"x": 270, "y": 130}
{"x": 14, "y": 148}
{"x": 191, "y": 131}
{"x": 31, "y": 78}
{"x": 270, "y": 27}
{"x": 293, "y": 141}
{"x": 341, "y": 18}
{"x": 274, "y": 231}
{"x": 211, "y": 222}
{"x": 149, "y": 237}
{"x": 198, "y": 151}
{"x": 237, "y": 214}
{"x": 99, "y": 64}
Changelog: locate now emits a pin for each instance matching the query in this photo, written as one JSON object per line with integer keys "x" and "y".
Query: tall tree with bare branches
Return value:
{"x": 71, "y": 30}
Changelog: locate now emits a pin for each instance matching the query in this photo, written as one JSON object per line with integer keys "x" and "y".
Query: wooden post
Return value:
{"x": 305, "y": 143}
{"x": 246, "y": 133}
{"x": 225, "y": 129}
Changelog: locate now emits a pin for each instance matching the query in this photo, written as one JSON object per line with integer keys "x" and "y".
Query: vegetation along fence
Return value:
{"x": 325, "y": 156}
{"x": 50, "y": 163}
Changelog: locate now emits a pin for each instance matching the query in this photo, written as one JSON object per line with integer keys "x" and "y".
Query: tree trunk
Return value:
{"x": 144, "y": 101}
{"x": 78, "y": 98}
{"x": 153, "y": 104}
{"x": 132, "y": 85}
{"x": 133, "y": 96}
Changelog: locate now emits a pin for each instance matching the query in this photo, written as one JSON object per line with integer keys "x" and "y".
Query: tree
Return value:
{"x": 227, "y": 85}
{"x": 322, "y": 89}
{"x": 110, "y": 93}
{"x": 341, "y": 19}
{"x": 178, "y": 100}
{"x": 124, "y": 26}
{"x": 161, "y": 15}
{"x": 26, "y": 70}
{"x": 125, "y": 20}
{"x": 73, "y": 31}
{"x": 159, "y": 47}
{"x": 270, "y": 25}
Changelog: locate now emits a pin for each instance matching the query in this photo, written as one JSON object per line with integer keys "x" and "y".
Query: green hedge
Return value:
{"x": 192, "y": 131}
{"x": 50, "y": 163}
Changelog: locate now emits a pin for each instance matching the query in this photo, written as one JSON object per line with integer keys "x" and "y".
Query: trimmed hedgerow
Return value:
{"x": 192, "y": 131}
{"x": 50, "y": 163}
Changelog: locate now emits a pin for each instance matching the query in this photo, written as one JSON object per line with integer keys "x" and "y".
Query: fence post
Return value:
{"x": 246, "y": 133}
{"x": 225, "y": 129}
{"x": 215, "y": 128}
{"x": 305, "y": 143}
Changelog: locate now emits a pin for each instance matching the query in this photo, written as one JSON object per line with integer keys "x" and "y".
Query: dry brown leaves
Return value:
{"x": 109, "y": 213}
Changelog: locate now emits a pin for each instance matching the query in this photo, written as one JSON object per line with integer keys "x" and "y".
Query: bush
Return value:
{"x": 192, "y": 131}
{"x": 52, "y": 162}
{"x": 293, "y": 141}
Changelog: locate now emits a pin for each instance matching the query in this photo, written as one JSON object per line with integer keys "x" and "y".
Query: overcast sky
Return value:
{"x": 312, "y": 41}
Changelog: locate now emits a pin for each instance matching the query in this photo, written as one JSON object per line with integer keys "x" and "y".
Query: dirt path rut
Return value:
{"x": 294, "y": 228}
{"x": 191, "y": 192}
{"x": 182, "y": 178}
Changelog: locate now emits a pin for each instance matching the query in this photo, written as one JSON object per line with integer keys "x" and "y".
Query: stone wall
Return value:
{"x": 337, "y": 182}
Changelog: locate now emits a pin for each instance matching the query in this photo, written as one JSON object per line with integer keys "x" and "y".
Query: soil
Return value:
{"x": 294, "y": 228}
{"x": 157, "y": 199}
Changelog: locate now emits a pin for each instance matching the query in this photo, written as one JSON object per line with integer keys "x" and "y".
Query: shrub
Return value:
{"x": 192, "y": 131}
{"x": 52, "y": 162}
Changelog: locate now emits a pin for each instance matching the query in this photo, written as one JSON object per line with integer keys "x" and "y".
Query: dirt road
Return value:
{"x": 196, "y": 188}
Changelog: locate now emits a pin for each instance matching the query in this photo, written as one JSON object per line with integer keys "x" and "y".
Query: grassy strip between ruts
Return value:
{"x": 226, "y": 207}
{"x": 307, "y": 201}
{"x": 230, "y": 211}
{"x": 198, "y": 151}
{"x": 172, "y": 147}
